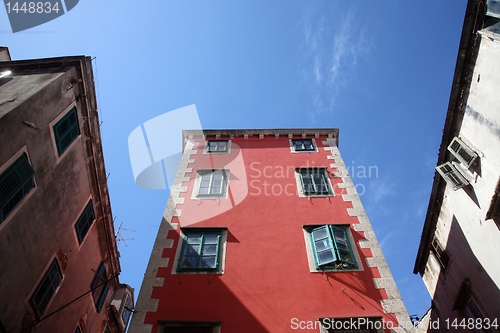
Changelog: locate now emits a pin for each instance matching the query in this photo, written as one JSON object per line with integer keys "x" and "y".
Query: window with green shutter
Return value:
{"x": 46, "y": 288}
{"x": 332, "y": 248}
{"x": 200, "y": 251}
{"x": 15, "y": 183}
{"x": 100, "y": 287}
{"x": 84, "y": 222}
{"x": 66, "y": 130}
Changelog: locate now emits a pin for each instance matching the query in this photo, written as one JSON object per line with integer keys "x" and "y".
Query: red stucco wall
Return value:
{"x": 267, "y": 282}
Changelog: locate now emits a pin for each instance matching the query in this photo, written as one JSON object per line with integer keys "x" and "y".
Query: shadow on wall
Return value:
{"x": 463, "y": 279}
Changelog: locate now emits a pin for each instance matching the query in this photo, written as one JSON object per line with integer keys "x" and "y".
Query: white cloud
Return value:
{"x": 333, "y": 42}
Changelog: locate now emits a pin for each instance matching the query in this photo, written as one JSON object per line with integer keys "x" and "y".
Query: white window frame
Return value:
{"x": 199, "y": 175}
{"x": 228, "y": 150}
{"x": 292, "y": 146}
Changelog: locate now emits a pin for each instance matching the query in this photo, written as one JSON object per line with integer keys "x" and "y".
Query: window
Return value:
{"x": 475, "y": 315}
{"x": 217, "y": 146}
{"x": 332, "y": 248}
{"x": 462, "y": 152}
{"x": 212, "y": 183}
{"x": 452, "y": 176}
{"x": 200, "y": 251}
{"x": 15, "y": 183}
{"x": 127, "y": 311}
{"x": 303, "y": 145}
{"x": 440, "y": 254}
{"x": 84, "y": 222}
{"x": 100, "y": 287}
{"x": 66, "y": 130}
{"x": 46, "y": 288}
{"x": 314, "y": 181}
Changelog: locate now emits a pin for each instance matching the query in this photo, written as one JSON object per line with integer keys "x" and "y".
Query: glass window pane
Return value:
{"x": 222, "y": 146}
{"x": 320, "y": 234}
{"x": 190, "y": 262}
{"x": 323, "y": 244}
{"x": 209, "y": 249}
{"x": 192, "y": 250}
{"x": 325, "y": 257}
{"x": 208, "y": 262}
{"x": 203, "y": 190}
{"x": 206, "y": 176}
{"x": 216, "y": 190}
{"x": 194, "y": 238}
{"x": 211, "y": 238}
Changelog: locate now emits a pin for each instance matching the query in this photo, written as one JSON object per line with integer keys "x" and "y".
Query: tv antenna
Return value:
{"x": 119, "y": 237}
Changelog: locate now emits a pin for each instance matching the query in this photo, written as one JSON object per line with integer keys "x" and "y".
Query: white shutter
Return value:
{"x": 462, "y": 152}
{"x": 452, "y": 176}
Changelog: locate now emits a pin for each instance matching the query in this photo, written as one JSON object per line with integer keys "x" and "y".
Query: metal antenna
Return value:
{"x": 119, "y": 237}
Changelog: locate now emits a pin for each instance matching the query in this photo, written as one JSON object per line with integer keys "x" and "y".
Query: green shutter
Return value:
{"x": 343, "y": 247}
{"x": 15, "y": 183}
{"x": 66, "y": 130}
{"x": 322, "y": 242}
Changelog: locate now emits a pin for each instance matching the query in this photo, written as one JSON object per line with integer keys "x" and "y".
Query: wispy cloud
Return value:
{"x": 333, "y": 41}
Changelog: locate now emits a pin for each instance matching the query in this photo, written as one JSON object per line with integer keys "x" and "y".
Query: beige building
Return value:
{"x": 458, "y": 254}
{"x": 58, "y": 254}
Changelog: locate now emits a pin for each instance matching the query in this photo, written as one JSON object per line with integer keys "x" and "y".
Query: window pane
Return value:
{"x": 211, "y": 238}
{"x": 194, "y": 238}
{"x": 209, "y": 249}
{"x": 320, "y": 233}
{"x": 208, "y": 262}
{"x": 222, "y": 146}
{"x": 325, "y": 257}
{"x": 203, "y": 190}
{"x": 323, "y": 245}
{"x": 341, "y": 241}
{"x": 216, "y": 190}
{"x": 192, "y": 249}
{"x": 190, "y": 262}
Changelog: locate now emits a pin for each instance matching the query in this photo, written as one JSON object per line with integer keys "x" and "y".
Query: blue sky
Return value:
{"x": 380, "y": 71}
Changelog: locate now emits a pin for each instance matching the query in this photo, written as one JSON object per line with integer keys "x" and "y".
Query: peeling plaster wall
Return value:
{"x": 468, "y": 237}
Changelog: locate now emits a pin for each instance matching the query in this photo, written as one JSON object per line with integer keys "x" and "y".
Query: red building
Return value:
{"x": 58, "y": 254}
{"x": 264, "y": 232}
